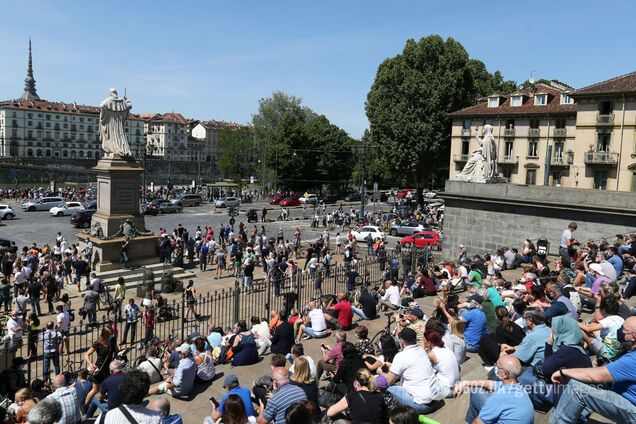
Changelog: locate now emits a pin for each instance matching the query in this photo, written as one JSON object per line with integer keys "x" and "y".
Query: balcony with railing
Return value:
{"x": 601, "y": 158}
{"x": 565, "y": 159}
{"x": 460, "y": 158}
{"x": 465, "y": 132}
{"x": 509, "y": 132}
{"x": 508, "y": 160}
{"x": 534, "y": 132}
{"x": 560, "y": 132}
{"x": 605, "y": 120}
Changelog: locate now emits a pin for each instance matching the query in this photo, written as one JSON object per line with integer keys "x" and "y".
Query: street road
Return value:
{"x": 40, "y": 227}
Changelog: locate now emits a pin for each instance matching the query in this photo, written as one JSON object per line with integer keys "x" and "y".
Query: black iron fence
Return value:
{"x": 223, "y": 307}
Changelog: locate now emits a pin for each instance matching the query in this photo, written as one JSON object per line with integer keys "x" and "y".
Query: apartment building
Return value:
{"x": 528, "y": 125}
{"x": 606, "y": 134}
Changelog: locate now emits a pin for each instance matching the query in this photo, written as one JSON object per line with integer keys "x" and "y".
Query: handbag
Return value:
{"x": 327, "y": 396}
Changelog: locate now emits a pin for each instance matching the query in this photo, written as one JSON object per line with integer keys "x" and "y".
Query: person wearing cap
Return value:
{"x": 498, "y": 401}
{"x": 413, "y": 319}
{"x": 475, "y": 322}
{"x": 231, "y": 384}
{"x": 420, "y": 387}
{"x": 180, "y": 384}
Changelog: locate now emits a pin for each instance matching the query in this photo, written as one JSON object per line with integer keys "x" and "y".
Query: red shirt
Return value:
{"x": 345, "y": 315}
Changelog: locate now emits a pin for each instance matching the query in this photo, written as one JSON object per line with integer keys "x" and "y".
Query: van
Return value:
{"x": 187, "y": 200}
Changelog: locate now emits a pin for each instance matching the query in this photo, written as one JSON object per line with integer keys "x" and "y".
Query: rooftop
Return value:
{"x": 527, "y": 107}
{"x": 55, "y": 107}
{"x": 621, "y": 84}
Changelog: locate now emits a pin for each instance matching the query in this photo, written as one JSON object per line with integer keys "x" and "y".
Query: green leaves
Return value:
{"x": 237, "y": 155}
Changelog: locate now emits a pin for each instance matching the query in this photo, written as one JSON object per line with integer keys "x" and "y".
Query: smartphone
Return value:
{"x": 214, "y": 401}
{"x": 370, "y": 360}
{"x": 385, "y": 368}
{"x": 324, "y": 346}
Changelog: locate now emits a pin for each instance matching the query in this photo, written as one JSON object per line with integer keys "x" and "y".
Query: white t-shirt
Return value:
{"x": 609, "y": 325}
{"x": 566, "y": 236}
{"x": 63, "y": 321}
{"x": 262, "y": 330}
{"x": 12, "y": 326}
{"x": 318, "y": 323}
{"x": 446, "y": 368}
{"x": 206, "y": 370}
{"x": 392, "y": 294}
{"x": 312, "y": 366}
{"x": 147, "y": 367}
{"x": 418, "y": 375}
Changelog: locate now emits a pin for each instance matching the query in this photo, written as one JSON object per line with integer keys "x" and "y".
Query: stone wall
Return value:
{"x": 484, "y": 217}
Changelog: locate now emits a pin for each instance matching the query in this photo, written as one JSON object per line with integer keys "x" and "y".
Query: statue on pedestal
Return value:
{"x": 112, "y": 120}
{"x": 482, "y": 165}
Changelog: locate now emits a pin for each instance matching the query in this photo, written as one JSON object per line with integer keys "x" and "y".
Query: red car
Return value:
{"x": 402, "y": 193}
{"x": 275, "y": 199}
{"x": 289, "y": 201}
{"x": 422, "y": 239}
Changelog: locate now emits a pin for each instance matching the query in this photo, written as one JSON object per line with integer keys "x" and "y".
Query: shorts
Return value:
{"x": 146, "y": 302}
{"x": 64, "y": 333}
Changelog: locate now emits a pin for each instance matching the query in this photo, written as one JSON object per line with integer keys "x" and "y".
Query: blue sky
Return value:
{"x": 214, "y": 60}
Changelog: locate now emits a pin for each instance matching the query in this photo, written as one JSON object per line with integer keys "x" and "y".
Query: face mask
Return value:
{"x": 495, "y": 370}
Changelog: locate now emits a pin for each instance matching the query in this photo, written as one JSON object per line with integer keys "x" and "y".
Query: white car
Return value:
{"x": 6, "y": 212}
{"x": 227, "y": 202}
{"x": 66, "y": 209}
{"x": 361, "y": 233}
{"x": 310, "y": 199}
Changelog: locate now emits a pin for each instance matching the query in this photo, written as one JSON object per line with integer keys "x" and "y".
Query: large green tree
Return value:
{"x": 236, "y": 157}
{"x": 299, "y": 149}
{"x": 409, "y": 103}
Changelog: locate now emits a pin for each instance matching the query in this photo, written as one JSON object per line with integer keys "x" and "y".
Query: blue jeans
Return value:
{"x": 477, "y": 399}
{"x": 311, "y": 333}
{"x": 203, "y": 262}
{"x": 55, "y": 356}
{"x": 359, "y": 312}
{"x": 403, "y": 397}
{"x": 95, "y": 405}
{"x": 579, "y": 400}
{"x": 589, "y": 280}
{"x": 472, "y": 349}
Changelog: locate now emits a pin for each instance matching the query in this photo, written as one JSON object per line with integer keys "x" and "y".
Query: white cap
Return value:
{"x": 184, "y": 348}
{"x": 597, "y": 268}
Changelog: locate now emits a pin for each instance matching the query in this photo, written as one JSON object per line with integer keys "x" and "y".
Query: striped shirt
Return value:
{"x": 285, "y": 396}
{"x": 67, "y": 396}
{"x": 139, "y": 413}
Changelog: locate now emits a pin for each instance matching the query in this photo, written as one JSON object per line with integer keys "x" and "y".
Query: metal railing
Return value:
{"x": 509, "y": 132}
{"x": 460, "y": 158}
{"x": 223, "y": 307}
{"x": 605, "y": 119}
{"x": 466, "y": 132}
{"x": 601, "y": 158}
{"x": 534, "y": 132}
{"x": 560, "y": 132}
{"x": 561, "y": 160}
{"x": 508, "y": 159}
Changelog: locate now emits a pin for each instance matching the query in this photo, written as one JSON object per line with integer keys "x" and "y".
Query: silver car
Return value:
{"x": 406, "y": 228}
{"x": 227, "y": 202}
{"x": 187, "y": 200}
{"x": 42, "y": 204}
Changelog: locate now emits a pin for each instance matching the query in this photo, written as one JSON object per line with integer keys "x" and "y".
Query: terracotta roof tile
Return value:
{"x": 55, "y": 107}
{"x": 618, "y": 85}
{"x": 528, "y": 107}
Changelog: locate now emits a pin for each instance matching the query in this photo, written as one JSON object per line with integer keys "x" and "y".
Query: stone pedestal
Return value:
{"x": 117, "y": 194}
{"x": 118, "y": 183}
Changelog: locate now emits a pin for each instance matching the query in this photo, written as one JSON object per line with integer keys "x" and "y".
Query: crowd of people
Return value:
{"x": 559, "y": 338}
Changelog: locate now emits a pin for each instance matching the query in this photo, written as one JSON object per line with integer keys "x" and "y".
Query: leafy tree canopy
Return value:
{"x": 236, "y": 158}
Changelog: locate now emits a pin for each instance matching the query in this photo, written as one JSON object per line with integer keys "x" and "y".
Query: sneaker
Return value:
{"x": 306, "y": 337}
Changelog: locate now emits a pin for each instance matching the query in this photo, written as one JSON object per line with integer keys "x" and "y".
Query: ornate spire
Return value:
{"x": 29, "y": 83}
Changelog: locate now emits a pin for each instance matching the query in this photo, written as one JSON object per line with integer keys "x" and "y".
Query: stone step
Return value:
{"x": 134, "y": 277}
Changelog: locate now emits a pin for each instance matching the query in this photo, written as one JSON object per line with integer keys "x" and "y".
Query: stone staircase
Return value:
{"x": 134, "y": 277}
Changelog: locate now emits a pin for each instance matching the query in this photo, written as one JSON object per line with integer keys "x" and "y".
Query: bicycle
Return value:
{"x": 162, "y": 347}
{"x": 389, "y": 329}
{"x": 73, "y": 367}
{"x": 105, "y": 297}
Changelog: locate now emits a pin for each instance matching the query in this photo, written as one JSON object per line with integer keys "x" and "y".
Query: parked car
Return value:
{"x": 331, "y": 199}
{"x": 42, "y": 204}
{"x": 422, "y": 239}
{"x": 275, "y": 199}
{"x": 91, "y": 205}
{"x": 227, "y": 202}
{"x": 406, "y": 228}
{"x": 82, "y": 219}
{"x": 6, "y": 212}
{"x": 187, "y": 200}
{"x": 405, "y": 193}
{"x": 289, "y": 201}
{"x": 66, "y": 208}
{"x": 361, "y": 233}
{"x": 310, "y": 199}
{"x": 353, "y": 197}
